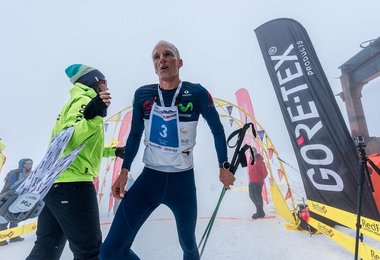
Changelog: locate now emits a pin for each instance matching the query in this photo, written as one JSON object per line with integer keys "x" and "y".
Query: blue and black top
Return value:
{"x": 193, "y": 100}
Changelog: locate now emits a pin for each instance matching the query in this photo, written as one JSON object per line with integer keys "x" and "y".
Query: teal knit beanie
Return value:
{"x": 83, "y": 74}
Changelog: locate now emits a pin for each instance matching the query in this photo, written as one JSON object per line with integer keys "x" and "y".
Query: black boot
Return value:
{"x": 258, "y": 214}
{"x": 3, "y": 243}
{"x": 16, "y": 239}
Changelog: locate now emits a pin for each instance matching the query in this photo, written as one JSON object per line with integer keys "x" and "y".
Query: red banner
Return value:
{"x": 123, "y": 132}
{"x": 244, "y": 102}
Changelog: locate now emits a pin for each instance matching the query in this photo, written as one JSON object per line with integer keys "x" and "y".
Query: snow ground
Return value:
{"x": 233, "y": 236}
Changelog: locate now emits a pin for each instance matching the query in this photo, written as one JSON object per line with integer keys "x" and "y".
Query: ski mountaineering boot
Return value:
{"x": 258, "y": 214}
{"x": 16, "y": 239}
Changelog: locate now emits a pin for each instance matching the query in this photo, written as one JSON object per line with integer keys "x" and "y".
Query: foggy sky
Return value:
{"x": 216, "y": 39}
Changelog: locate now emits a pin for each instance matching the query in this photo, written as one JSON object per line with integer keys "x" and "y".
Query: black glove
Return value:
{"x": 120, "y": 152}
{"x": 95, "y": 107}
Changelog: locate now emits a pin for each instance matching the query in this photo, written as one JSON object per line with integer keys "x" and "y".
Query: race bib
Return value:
{"x": 164, "y": 132}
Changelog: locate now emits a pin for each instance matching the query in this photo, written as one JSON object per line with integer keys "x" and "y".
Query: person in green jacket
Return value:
{"x": 71, "y": 208}
{"x": 2, "y": 156}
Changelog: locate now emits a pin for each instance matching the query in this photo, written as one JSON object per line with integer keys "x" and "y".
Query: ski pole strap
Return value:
{"x": 243, "y": 159}
{"x": 241, "y": 133}
{"x": 232, "y": 135}
{"x": 239, "y": 154}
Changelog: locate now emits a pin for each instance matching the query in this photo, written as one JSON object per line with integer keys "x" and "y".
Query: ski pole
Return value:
{"x": 206, "y": 233}
{"x": 237, "y": 158}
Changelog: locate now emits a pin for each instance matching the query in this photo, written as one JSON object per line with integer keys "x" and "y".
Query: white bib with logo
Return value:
{"x": 163, "y": 138}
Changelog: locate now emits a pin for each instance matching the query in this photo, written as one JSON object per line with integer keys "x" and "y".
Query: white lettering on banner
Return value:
{"x": 284, "y": 57}
{"x": 301, "y": 114}
{"x": 326, "y": 174}
{"x": 305, "y": 58}
{"x": 309, "y": 132}
{"x": 290, "y": 76}
{"x": 317, "y": 147}
{"x": 288, "y": 68}
{"x": 285, "y": 93}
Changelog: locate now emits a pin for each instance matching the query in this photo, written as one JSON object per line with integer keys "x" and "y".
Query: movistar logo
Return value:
{"x": 185, "y": 108}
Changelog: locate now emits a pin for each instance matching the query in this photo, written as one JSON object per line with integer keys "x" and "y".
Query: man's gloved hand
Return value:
{"x": 120, "y": 151}
{"x": 95, "y": 107}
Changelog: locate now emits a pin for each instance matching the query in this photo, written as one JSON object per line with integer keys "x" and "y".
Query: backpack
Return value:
{"x": 7, "y": 185}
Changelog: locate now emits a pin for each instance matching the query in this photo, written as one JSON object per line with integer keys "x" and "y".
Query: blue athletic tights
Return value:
{"x": 152, "y": 188}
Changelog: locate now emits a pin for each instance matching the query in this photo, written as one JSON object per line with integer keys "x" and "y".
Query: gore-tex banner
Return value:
{"x": 324, "y": 149}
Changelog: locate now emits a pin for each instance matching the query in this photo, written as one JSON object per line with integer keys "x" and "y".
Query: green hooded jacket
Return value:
{"x": 2, "y": 156}
{"x": 91, "y": 132}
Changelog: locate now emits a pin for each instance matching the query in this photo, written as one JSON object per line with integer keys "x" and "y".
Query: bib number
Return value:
{"x": 164, "y": 132}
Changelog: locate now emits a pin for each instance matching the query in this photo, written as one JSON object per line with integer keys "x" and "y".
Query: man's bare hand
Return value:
{"x": 105, "y": 96}
{"x": 226, "y": 177}
{"x": 118, "y": 188}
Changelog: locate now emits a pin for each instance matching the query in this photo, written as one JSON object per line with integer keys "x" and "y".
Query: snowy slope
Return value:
{"x": 234, "y": 235}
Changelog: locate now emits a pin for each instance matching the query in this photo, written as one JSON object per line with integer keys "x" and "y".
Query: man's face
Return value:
{"x": 166, "y": 63}
{"x": 28, "y": 165}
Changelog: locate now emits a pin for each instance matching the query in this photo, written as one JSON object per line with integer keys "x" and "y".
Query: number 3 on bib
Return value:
{"x": 164, "y": 132}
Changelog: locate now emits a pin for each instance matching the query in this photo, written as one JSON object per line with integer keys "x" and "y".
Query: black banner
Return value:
{"x": 325, "y": 151}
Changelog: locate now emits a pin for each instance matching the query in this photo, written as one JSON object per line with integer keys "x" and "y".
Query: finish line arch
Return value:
{"x": 236, "y": 116}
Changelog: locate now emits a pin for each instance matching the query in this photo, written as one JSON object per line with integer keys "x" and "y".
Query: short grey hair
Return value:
{"x": 171, "y": 45}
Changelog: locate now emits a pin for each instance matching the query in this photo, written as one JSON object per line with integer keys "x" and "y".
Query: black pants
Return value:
{"x": 70, "y": 213}
{"x": 11, "y": 225}
{"x": 152, "y": 188}
{"x": 255, "y": 190}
